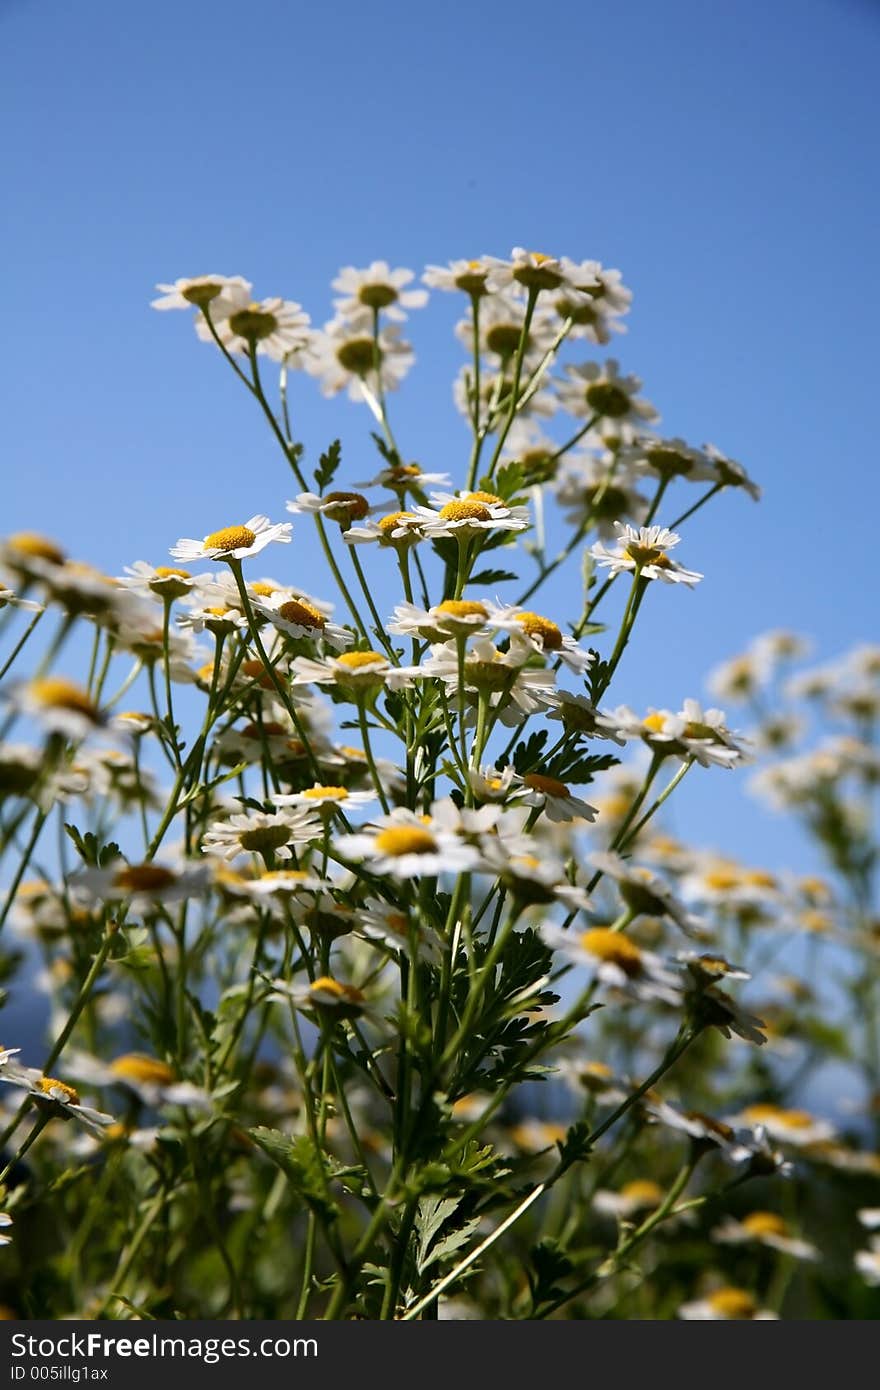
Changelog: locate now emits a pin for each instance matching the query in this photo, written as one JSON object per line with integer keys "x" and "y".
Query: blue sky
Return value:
{"x": 721, "y": 156}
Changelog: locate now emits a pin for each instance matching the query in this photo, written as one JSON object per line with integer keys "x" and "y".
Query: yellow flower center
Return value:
{"x": 465, "y": 511}
{"x": 646, "y": 554}
{"x": 317, "y": 793}
{"x": 37, "y": 546}
{"x": 612, "y": 947}
{"x": 356, "y": 661}
{"x": 264, "y": 837}
{"x": 732, "y": 1303}
{"x": 135, "y": 1066}
{"x": 388, "y": 523}
{"x": 401, "y": 472}
{"x": 269, "y": 729}
{"x": 143, "y": 878}
{"x": 604, "y": 398}
{"x": 256, "y": 671}
{"x": 462, "y": 608}
{"x": 345, "y": 994}
{"x": 253, "y": 323}
{"x": 489, "y": 499}
{"x": 296, "y": 610}
{"x": 169, "y": 572}
{"x": 57, "y": 693}
{"x": 642, "y": 1192}
{"x": 655, "y": 723}
{"x": 548, "y": 786}
{"x": 491, "y": 675}
{"x": 722, "y": 879}
{"x": 48, "y": 1084}
{"x": 263, "y": 589}
{"x": 230, "y": 538}
{"x": 764, "y": 1223}
{"x": 397, "y": 840}
{"x": 533, "y": 625}
{"x": 759, "y": 878}
{"x": 347, "y": 505}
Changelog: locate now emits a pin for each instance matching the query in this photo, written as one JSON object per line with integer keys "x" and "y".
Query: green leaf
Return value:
{"x": 328, "y": 463}
{"x": 492, "y": 577}
{"x": 303, "y": 1165}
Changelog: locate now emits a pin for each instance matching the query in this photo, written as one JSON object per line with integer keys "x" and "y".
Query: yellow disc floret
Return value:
{"x": 465, "y": 511}
{"x": 732, "y": 1303}
{"x": 356, "y": 661}
{"x": 642, "y": 1192}
{"x": 296, "y": 610}
{"x": 534, "y": 625}
{"x": 764, "y": 1223}
{"x": 51, "y": 1088}
{"x": 397, "y": 840}
{"x": 143, "y": 878}
{"x": 462, "y": 608}
{"x": 230, "y": 538}
{"x": 148, "y": 1071}
{"x": 55, "y": 692}
{"x": 318, "y": 793}
{"x": 37, "y": 547}
{"x": 613, "y": 949}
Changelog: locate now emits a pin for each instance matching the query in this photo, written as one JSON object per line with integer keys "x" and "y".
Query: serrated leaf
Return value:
{"x": 303, "y": 1165}
{"x": 328, "y": 464}
{"x": 492, "y": 577}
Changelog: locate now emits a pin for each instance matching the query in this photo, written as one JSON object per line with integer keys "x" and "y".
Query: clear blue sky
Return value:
{"x": 723, "y": 156}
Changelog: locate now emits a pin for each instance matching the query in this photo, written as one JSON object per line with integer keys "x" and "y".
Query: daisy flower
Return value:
{"x": 579, "y": 715}
{"x": 325, "y": 996}
{"x": 731, "y": 473}
{"x": 300, "y": 617}
{"x": 705, "y": 1131}
{"x": 234, "y": 542}
{"x": 357, "y": 672}
{"x": 405, "y": 845}
{"x": 640, "y": 1195}
{"x": 59, "y": 705}
{"x": 277, "y": 328}
{"x": 616, "y": 961}
{"x": 405, "y": 477}
{"x": 144, "y": 885}
{"x": 501, "y": 324}
{"x": 554, "y": 798}
{"x": 594, "y": 388}
{"x": 763, "y": 1228}
{"x": 200, "y": 290}
{"x": 469, "y": 277}
{"x": 376, "y": 288}
{"x": 398, "y": 932}
{"x": 488, "y": 784}
{"x": 20, "y": 768}
{"x": 451, "y": 618}
{"x": 327, "y": 799}
{"x": 9, "y": 599}
{"x": 27, "y": 553}
{"x": 54, "y": 1097}
{"x": 513, "y": 688}
{"x": 644, "y": 550}
{"x": 396, "y": 529}
{"x": 644, "y": 892}
{"x": 594, "y": 298}
{"x": 797, "y": 1127}
{"x": 540, "y": 635}
{"x": 343, "y": 507}
{"x": 596, "y": 492}
{"x": 163, "y": 582}
{"x": 531, "y": 269}
{"x": 468, "y": 513}
{"x": 670, "y": 458}
{"x": 690, "y": 733}
{"x": 344, "y": 356}
{"x": 262, "y": 833}
{"x": 725, "y": 1304}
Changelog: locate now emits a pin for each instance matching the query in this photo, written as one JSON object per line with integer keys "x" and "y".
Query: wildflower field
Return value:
{"x": 367, "y": 978}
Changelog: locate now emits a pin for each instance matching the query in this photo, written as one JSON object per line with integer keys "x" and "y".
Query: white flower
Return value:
{"x": 398, "y": 932}
{"x": 644, "y": 550}
{"x": 531, "y": 269}
{"x": 580, "y": 715}
{"x": 54, "y": 1097}
{"x": 343, "y": 356}
{"x": 869, "y": 1217}
{"x": 261, "y": 833}
{"x": 731, "y": 473}
{"x": 300, "y": 617}
{"x": 670, "y": 458}
{"x": 616, "y": 961}
{"x": 488, "y": 784}
{"x": 867, "y": 1262}
{"x": 451, "y": 618}
{"x": 277, "y": 328}
{"x": 594, "y": 299}
{"x": 691, "y": 733}
{"x": 343, "y": 507}
{"x": 501, "y": 324}
{"x": 644, "y": 892}
{"x": 376, "y": 289}
{"x": 797, "y": 1127}
{"x": 395, "y": 529}
{"x": 639, "y": 1196}
{"x": 539, "y": 634}
{"x": 469, "y": 277}
{"x": 597, "y": 492}
{"x": 594, "y": 388}
{"x": 163, "y": 582}
{"x": 763, "y": 1228}
{"x": 59, "y": 705}
{"x": 405, "y": 477}
{"x": 469, "y": 513}
{"x": 325, "y": 995}
{"x": 201, "y": 290}
{"x": 326, "y": 798}
{"x": 512, "y": 688}
{"x": 704, "y": 1130}
{"x": 234, "y": 542}
{"x": 725, "y": 1304}
{"x": 5, "y": 1221}
{"x": 405, "y": 845}
{"x": 354, "y": 671}
{"x": 9, "y": 599}
{"x": 144, "y": 884}
{"x": 554, "y": 798}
